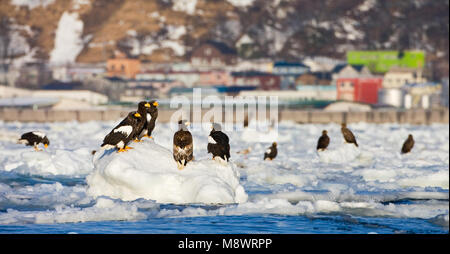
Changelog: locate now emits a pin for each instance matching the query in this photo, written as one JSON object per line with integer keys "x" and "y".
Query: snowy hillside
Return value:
{"x": 166, "y": 30}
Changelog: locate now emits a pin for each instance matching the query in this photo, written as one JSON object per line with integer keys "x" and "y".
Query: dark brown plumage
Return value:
{"x": 182, "y": 145}
{"x": 348, "y": 135}
{"x": 408, "y": 144}
{"x": 151, "y": 116}
{"x": 323, "y": 142}
{"x": 143, "y": 106}
{"x": 271, "y": 152}
{"x": 218, "y": 143}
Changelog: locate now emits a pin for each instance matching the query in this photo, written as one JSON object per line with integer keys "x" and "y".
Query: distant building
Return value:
{"x": 189, "y": 92}
{"x": 314, "y": 94}
{"x": 422, "y": 95}
{"x": 349, "y": 71}
{"x": 380, "y": 61}
{"x": 90, "y": 97}
{"x": 10, "y": 92}
{"x": 188, "y": 78}
{"x": 314, "y": 79}
{"x": 398, "y": 77}
{"x": 58, "y": 85}
{"x": 289, "y": 68}
{"x": 391, "y": 97}
{"x": 288, "y": 72}
{"x": 363, "y": 90}
{"x": 139, "y": 93}
{"x": 77, "y": 72}
{"x": 141, "y": 89}
{"x": 56, "y": 99}
{"x": 214, "y": 78}
{"x": 10, "y": 77}
{"x": 123, "y": 67}
{"x": 212, "y": 54}
{"x": 262, "y": 65}
{"x": 245, "y": 45}
{"x": 33, "y": 75}
{"x": 261, "y": 80}
{"x": 321, "y": 64}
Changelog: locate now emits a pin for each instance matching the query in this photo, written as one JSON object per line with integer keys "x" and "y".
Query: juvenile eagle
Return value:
{"x": 348, "y": 135}
{"x": 182, "y": 145}
{"x": 323, "y": 141}
{"x": 408, "y": 144}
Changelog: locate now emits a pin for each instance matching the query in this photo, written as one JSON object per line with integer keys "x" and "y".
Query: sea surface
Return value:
{"x": 344, "y": 190}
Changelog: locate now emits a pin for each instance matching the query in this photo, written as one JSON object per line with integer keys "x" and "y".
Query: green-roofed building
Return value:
{"x": 382, "y": 61}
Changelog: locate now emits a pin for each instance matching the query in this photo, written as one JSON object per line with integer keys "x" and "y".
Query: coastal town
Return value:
{"x": 367, "y": 79}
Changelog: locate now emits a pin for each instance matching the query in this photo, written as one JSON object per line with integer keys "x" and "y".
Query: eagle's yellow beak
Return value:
{"x": 45, "y": 145}
{"x": 155, "y": 104}
{"x": 137, "y": 115}
{"x": 147, "y": 105}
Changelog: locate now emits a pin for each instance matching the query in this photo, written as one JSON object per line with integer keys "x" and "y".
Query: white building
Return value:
{"x": 188, "y": 78}
{"x": 283, "y": 95}
{"x": 62, "y": 99}
{"x": 399, "y": 76}
{"x": 78, "y": 72}
{"x": 391, "y": 97}
{"x": 90, "y": 97}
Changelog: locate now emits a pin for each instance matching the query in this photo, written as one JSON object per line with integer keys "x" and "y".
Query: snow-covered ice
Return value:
{"x": 66, "y": 184}
{"x": 68, "y": 42}
{"x": 149, "y": 171}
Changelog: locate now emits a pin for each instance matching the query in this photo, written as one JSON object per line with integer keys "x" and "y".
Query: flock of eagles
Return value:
{"x": 140, "y": 124}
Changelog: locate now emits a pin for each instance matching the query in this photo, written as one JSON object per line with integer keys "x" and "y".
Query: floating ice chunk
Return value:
{"x": 104, "y": 209}
{"x": 343, "y": 154}
{"x": 149, "y": 171}
{"x": 48, "y": 162}
{"x": 441, "y": 220}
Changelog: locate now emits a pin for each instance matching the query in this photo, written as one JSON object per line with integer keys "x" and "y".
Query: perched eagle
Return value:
{"x": 271, "y": 152}
{"x": 218, "y": 143}
{"x": 348, "y": 135}
{"x": 34, "y": 138}
{"x": 151, "y": 115}
{"x": 143, "y": 106}
{"x": 323, "y": 141}
{"x": 122, "y": 134}
{"x": 408, "y": 144}
{"x": 183, "y": 148}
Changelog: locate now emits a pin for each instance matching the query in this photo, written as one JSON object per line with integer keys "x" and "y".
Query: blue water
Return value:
{"x": 243, "y": 224}
{"x": 275, "y": 224}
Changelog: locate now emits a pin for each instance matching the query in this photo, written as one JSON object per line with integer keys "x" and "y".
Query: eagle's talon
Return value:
{"x": 121, "y": 150}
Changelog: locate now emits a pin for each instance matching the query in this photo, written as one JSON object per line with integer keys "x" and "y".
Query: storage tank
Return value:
{"x": 391, "y": 96}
